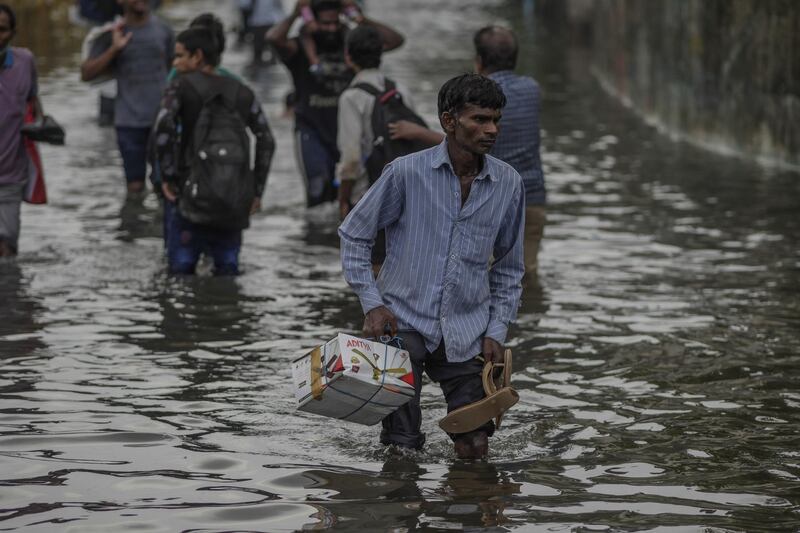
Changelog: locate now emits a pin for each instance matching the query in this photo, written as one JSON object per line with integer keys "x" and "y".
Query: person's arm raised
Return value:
{"x": 278, "y": 35}
{"x": 391, "y": 38}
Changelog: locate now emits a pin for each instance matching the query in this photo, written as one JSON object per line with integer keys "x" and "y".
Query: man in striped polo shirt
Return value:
{"x": 518, "y": 144}
{"x": 451, "y": 282}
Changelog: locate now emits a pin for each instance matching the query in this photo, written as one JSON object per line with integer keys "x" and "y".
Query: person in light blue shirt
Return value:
{"x": 518, "y": 144}
{"x": 451, "y": 283}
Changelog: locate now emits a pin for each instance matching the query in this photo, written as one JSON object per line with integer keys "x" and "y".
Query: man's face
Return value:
{"x": 328, "y": 35}
{"x": 184, "y": 61}
{"x": 473, "y": 128}
{"x": 137, "y": 7}
{"x": 6, "y": 33}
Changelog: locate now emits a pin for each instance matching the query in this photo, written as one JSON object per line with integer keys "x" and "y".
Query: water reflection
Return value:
{"x": 405, "y": 494}
{"x": 138, "y": 219}
{"x": 18, "y": 311}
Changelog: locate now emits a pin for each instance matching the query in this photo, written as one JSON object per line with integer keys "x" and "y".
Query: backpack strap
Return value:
{"x": 381, "y": 96}
{"x": 208, "y": 91}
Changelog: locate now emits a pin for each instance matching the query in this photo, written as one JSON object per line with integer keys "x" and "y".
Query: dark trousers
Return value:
{"x": 317, "y": 162}
{"x": 460, "y": 382}
{"x": 186, "y": 242}
{"x": 133, "y": 148}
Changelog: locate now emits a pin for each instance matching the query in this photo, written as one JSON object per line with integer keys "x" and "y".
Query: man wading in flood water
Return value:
{"x": 451, "y": 283}
{"x": 138, "y": 53}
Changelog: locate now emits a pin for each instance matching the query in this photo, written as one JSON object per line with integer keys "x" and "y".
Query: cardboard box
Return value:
{"x": 353, "y": 379}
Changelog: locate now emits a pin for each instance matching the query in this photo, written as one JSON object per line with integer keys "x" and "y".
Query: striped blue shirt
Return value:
{"x": 437, "y": 278}
{"x": 518, "y": 141}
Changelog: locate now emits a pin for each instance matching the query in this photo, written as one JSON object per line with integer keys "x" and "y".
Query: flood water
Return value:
{"x": 657, "y": 362}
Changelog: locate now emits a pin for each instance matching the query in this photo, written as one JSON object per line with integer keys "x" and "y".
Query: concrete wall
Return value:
{"x": 724, "y": 74}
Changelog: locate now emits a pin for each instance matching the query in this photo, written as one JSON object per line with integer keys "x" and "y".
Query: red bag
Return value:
{"x": 35, "y": 190}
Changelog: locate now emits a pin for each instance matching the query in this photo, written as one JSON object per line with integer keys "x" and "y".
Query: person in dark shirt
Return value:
{"x": 196, "y": 54}
{"x": 317, "y": 89}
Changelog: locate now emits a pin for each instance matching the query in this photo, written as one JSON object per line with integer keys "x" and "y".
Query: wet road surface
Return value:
{"x": 657, "y": 361}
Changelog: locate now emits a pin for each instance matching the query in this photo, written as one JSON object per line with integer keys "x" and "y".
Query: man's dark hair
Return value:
{"x": 318, "y": 6}
{"x": 497, "y": 48}
{"x": 473, "y": 89}
{"x": 12, "y": 17}
{"x": 200, "y": 38}
{"x": 213, "y": 23}
{"x": 365, "y": 46}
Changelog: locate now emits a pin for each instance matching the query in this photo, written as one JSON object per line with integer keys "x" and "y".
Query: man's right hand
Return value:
{"x": 376, "y": 321}
{"x": 120, "y": 39}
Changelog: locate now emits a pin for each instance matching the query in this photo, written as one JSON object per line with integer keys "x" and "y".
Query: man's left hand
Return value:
{"x": 492, "y": 350}
{"x": 169, "y": 192}
{"x": 256, "y": 207}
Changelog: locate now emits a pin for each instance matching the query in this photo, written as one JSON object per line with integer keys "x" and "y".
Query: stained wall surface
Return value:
{"x": 724, "y": 74}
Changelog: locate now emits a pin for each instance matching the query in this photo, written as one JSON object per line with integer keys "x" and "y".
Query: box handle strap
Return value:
{"x": 316, "y": 373}
{"x": 375, "y": 370}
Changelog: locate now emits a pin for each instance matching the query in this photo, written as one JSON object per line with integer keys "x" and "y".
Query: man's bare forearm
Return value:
{"x": 94, "y": 67}
{"x": 278, "y": 35}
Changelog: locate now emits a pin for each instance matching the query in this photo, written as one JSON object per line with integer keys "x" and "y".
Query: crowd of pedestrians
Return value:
{"x": 439, "y": 224}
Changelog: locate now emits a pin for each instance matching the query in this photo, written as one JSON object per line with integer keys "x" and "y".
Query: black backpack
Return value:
{"x": 389, "y": 107}
{"x": 220, "y": 187}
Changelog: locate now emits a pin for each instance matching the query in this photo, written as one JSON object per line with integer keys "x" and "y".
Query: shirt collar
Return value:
{"x": 371, "y": 76}
{"x": 442, "y": 157}
{"x": 9, "y": 62}
{"x": 501, "y": 74}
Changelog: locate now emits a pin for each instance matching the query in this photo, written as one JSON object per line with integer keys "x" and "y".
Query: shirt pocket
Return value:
{"x": 477, "y": 243}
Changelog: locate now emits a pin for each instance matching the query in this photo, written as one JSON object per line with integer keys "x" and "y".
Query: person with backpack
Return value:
{"x": 204, "y": 156}
{"x": 366, "y": 109}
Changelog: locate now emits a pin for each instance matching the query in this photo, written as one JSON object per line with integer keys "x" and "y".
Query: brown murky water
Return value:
{"x": 657, "y": 363}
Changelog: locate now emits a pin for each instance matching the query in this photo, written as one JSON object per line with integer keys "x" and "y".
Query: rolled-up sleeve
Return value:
{"x": 505, "y": 275}
{"x": 380, "y": 207}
